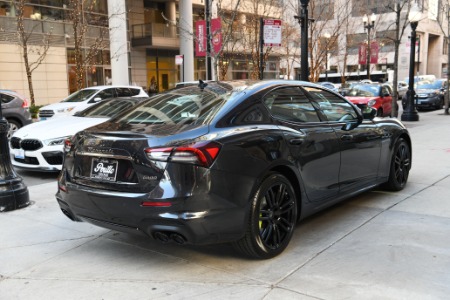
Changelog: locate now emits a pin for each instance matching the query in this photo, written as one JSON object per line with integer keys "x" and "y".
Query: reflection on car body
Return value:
{"x": 378, "y": 96}
{"x": 258, "y": 157}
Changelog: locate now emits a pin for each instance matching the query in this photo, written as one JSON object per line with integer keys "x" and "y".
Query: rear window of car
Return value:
{"x": 107, "y": 108}
{"x": 181, "y": 106}
{"x": 135, "y": 92}
{"x": 124, "y": 92}
{"x": 6, "y": 98}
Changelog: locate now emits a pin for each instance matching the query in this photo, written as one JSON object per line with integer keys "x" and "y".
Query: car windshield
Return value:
{"x": 107, "y": 109}
{"x": 80, "y": 95}
{"x": 364, "y": 90}
{"x": 183, "y": 106}
{"x": 432, "y": 85}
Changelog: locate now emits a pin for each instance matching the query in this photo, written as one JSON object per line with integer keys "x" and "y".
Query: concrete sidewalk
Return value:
{"x": 378, "y": 245}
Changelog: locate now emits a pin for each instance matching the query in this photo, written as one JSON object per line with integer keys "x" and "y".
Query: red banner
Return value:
{"x": 216, "y": 33}
{"x": 374, "y": 49}
{"x": 200, "y": 38}
{"x": 362, "y": 57}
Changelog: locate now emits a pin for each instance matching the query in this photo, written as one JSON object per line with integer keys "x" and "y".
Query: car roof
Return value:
{"x": 110, "y": 86}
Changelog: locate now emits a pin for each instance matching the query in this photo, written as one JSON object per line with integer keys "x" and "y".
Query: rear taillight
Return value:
{"x": 201, "y": 153}
{"x": 25, "y": 103}
{"x": 67, "y": 145}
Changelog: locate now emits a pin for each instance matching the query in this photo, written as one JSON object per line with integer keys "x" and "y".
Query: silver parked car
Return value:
{"x": 15, "y": 110}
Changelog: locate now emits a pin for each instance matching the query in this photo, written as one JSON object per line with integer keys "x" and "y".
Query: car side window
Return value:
{"x": 124, "y": 92}
{"x": 291, "y": 104}
{"x": 134, "y": 92}
{"x": 333, "y": 107}
{"x": 385, "y": 91}
{"x": 105, "y": 94}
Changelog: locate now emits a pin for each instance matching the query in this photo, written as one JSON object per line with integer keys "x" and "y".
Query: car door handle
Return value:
{"x": 347, "y": 137}
{"x": 296, "y": 141}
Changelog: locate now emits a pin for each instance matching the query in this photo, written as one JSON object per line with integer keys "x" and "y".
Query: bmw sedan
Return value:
{"x": 39, "y": 146}
{"x": 237, "y": 162}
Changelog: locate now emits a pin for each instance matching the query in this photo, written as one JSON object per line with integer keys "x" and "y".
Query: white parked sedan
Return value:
{"x": 86, "y": 97}
{"x": 39, "y": 146}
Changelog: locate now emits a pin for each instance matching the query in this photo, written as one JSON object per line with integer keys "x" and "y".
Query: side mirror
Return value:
{"x": 97, "y": 99}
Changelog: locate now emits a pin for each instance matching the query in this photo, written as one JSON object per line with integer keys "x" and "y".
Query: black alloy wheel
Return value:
{"x": 272, "y": 219}
{"x": 400, "y": 166}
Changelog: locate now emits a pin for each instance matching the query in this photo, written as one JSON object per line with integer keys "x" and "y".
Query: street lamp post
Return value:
{"x": 13, "y": 192}
{"x": 303, "y": 20}
{"x": 368, "y": 25}
{"x": 327, "y": 37}
{"x": 410, "y": 112}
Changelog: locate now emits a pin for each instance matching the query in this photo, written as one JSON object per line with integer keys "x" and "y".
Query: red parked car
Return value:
{"x": 374, "y": 95}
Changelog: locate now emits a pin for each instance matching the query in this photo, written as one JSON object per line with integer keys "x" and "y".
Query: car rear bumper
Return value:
{"x": 195, "y": 218}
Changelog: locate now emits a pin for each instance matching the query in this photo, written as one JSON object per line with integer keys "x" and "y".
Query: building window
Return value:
{"x": 362, "y": 7}
{"x": 323, "y": 10}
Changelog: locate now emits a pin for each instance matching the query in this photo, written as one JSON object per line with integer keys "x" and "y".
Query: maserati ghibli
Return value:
{"x": 239, "y": 162}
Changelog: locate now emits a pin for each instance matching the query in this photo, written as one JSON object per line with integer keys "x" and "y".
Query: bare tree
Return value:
{"x": 37, "y": 49}
{"x": 399, "y": 25}
{"x": 87, "y": 45}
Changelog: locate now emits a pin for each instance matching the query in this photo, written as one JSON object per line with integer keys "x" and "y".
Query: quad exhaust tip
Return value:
{"x": 166, "y": 237}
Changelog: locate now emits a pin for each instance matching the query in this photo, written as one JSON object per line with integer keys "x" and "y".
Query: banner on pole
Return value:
{"x": 200, "y": 38}
{"x": 216, "y": 33}
{"x": 374, "y": 49}
{"x": 362, "y": 54}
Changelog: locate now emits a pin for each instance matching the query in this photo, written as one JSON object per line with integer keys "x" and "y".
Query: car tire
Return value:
{"x": 400, "y": 166}
{"x": 440, "y": 104}
{"x": 380, "y": 112}
{"x": 272, "y": 218}
{"x": 13, "y": 127}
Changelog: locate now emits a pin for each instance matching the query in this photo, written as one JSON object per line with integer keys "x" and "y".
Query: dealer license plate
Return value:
{"x": 19, "y": 153}
{"x": 104, "y": 169}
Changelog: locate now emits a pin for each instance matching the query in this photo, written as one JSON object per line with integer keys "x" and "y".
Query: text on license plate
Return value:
{"x": 104, "y": 169}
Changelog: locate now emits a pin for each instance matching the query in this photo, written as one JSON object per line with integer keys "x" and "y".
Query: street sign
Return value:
{"x": 179, "y": 59}
{"x": 272, "y": 33}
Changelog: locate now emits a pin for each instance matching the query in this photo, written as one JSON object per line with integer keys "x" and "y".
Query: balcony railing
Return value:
{"x": 147, "y": 30}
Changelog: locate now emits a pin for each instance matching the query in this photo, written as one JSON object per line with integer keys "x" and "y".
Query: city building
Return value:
{"x": 139, "y": 42}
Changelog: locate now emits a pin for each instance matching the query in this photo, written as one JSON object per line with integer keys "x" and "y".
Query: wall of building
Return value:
{"x": 138, "y": 56}
{"x": 49, "y": 79}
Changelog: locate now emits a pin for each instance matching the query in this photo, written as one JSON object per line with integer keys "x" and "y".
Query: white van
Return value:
{"x": 86, "y": 97}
